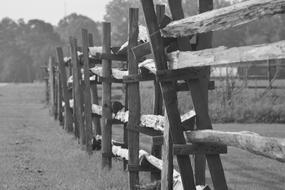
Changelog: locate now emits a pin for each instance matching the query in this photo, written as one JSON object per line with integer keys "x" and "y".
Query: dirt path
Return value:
{"x": 35, "y": 153}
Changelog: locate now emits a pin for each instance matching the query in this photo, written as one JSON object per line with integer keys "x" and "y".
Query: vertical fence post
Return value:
{"x": 51, "y": 85}
{"x": 63, "y": 78}
{"x": 94, "y": 93}
{"x": 46, "y": 79}
{"x": 134, "y": 102}
{"x": 87, "y": 95}
{"x": 77, "y": 107}
{"x": 55, "y": 90}
{"x": 71, "y": 71}
{"x": 167, "y": 152}
{"x": 184, "y": 44}
{"x": 199, "y": 93}
{"x": 106, "y": 99}
{"x": 158, "y": 101}
{"x": 59, "y": 95}
{"x": 169, "y": 93}
{"x": 204, "y": 122}
{"x": 125, "y": 130}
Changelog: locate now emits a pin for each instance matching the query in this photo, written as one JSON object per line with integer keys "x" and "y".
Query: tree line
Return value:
{"x": 25, "y": 46}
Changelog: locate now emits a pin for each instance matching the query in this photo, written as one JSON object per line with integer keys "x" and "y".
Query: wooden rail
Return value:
{"x": 269, "y": 147}
{"x": 257, "y": 54}
{"x": 156, "y": 122}
{"x": 220, "y": 19}
{"x": 218, "y": 57}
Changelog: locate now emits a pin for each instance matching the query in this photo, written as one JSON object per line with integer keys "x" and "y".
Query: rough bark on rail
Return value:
{"x": 123, "y": 153}
{"x": 116, "y": 73}
{"x": 209, "y": 57}
{"x": 269, "y": 147}
{"x": 156, "y": 122}
{"x": 70, "y": 79}
{"x": 224, "y": 18}
{"x": 222, "y": 56}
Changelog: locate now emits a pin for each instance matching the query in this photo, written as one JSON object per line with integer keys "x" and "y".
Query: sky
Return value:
{"x": 51, "y": 10}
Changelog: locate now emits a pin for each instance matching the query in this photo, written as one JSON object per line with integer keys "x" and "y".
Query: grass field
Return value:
{"x": 243, "y": 170}
{"x": 39, "y": 155}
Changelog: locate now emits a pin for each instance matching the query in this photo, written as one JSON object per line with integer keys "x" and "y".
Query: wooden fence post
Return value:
{"x": 125, "y": 131}
{"x": 169, "y": 94}
{"x": 199, "y": 93}
{"x": 59, "y": 97}
{"x": 106, "y": 99}
{"x": 167, "y": 147}
{"x": 67, "y": 111}
{"x": 87, "y": 95}
{"x": 184, "y": 44}
{"x": 46, "y": 79}
{"x": 72, "y": 93}
{"x": 51, "y": 85}
{"x": 158, "y": 101}
{"x": 94, "y": 93}
{"x": 55, "y": 90}
{"x": 133, "y": 103}
{"x": 77, "y": 107}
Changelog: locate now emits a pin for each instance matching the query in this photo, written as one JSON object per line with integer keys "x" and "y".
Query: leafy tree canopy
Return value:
{"x": 24, "y": 47}
{"x": 72, "y": 24}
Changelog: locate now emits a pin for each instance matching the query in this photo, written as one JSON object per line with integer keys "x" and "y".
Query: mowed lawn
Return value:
{"x": 246, "y": 171}
{"x": 39, "y": 155}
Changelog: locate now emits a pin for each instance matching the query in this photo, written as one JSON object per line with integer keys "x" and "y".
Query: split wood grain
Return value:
{"x": 223, "y": 18}
{"x": 270, "y": 147}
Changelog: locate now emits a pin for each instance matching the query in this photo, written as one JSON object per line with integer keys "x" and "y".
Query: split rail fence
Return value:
{"x": 177, "y": 65}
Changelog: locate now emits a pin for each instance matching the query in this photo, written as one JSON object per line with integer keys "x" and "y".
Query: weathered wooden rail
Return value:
{"x": 224, "y": 18}
{"x": 74, "y": 81}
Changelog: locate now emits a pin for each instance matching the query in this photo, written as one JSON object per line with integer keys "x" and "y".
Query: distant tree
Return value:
{"x": 39, "y": 40}
{"x": 117, "y": 13}
{"x": 24, "y": 47}
{"x": 72, "y": 24}
{"x": 17, "y": 67}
